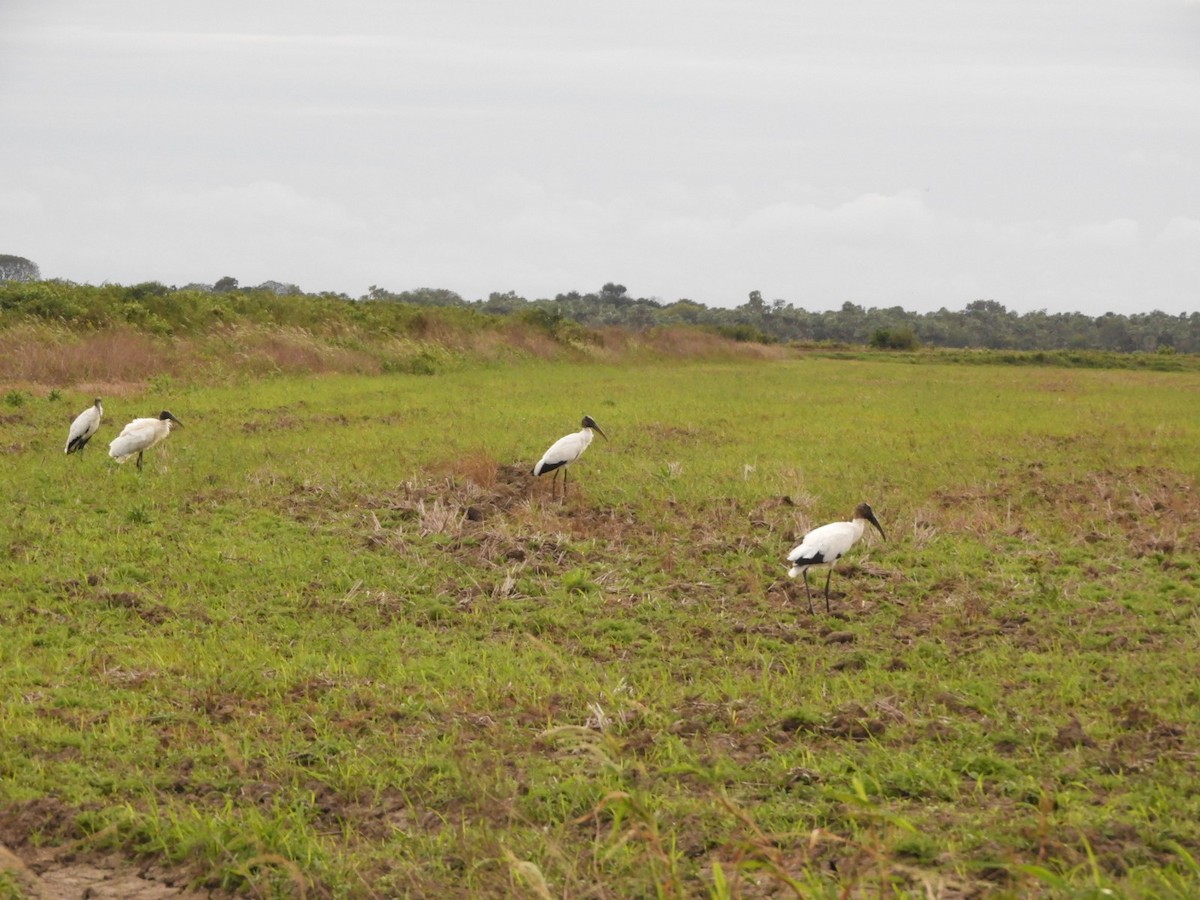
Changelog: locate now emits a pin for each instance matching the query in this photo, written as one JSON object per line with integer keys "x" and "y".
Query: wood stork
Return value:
{"x": 140, "y": 435}
{"x": 566, "y": 450}
{"x": 85, "y": 425}
{"x": 824, "y": 546}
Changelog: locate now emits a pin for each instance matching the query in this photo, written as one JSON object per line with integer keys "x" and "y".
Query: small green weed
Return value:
{"x": 578, "y": 581}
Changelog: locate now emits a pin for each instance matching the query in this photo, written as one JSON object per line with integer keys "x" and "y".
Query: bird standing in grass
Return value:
{"x": 824, "y": 546}
{"x": 566, "y": 450}
{"x": 85, "y": 425}
{"x": 140, "y": 435}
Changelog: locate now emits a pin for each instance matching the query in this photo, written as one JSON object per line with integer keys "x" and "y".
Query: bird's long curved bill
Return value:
{"x": 601, "y": 430}
{"x": 878, "y": 527}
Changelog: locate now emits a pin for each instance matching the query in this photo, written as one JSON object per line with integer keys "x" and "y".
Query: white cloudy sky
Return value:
{"x": 1042, "y": 153}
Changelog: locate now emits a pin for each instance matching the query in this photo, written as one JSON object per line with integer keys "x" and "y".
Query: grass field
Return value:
{"x": 334, "y": 641}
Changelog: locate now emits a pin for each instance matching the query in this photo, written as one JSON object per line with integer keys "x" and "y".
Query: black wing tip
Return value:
{"x": 814, "y": 559}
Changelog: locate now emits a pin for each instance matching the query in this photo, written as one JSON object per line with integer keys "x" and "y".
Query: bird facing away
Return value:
{"x": 85, "y": 425}
{"x": 140, "y": 435}
{"x": 566, "y": 450}
{"x": 824, "y": 546}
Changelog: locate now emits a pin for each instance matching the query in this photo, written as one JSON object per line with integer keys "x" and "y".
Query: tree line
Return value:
{"x": 980, "y": 324}
{"x": 984, "y": 324}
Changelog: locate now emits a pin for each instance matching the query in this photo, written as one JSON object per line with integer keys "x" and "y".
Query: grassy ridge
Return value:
{"x": 332, "y": 637}
{"x": 114, "y": 336}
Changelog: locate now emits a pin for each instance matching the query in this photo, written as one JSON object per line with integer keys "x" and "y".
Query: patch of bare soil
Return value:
{"x": 154, "y": 613}
{"x": 477, "y": 508}
{"x": 853, "y": 722}
{"x": 72, "y": 872}
{"x": 96, "y": 878}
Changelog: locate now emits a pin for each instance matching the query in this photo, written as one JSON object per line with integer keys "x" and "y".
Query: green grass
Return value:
{"x": 332, "y": 639}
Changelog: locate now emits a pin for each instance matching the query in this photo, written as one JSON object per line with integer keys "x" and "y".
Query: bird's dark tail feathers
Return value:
{"x": 548, "y": 467}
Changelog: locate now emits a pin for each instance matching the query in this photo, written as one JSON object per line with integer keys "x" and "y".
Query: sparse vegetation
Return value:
{"x": 335, "y": 641}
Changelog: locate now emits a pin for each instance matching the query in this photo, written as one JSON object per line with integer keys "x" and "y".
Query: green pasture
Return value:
{"x": 333, "y": 641}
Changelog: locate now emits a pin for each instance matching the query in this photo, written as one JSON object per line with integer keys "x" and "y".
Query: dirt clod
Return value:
{"x": 1072, "y": 735}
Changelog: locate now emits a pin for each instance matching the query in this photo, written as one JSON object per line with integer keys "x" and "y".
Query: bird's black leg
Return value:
{"x": 807, "y": 592}
{"x": 139, "y": 460}
{"x": 564, "y": 482}
{"x": 828, "y": 575}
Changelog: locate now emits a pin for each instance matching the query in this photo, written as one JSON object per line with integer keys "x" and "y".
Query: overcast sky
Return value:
{"x": 1041, "y": 153}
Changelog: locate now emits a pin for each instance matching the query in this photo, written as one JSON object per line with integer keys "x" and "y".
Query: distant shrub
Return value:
{"x": 742, "y": 333}
{"x": 541, "y": 317}
{"x": 42, "y": 299}
{"x": 894, "y": 339}
{"x": 424, "y": 363}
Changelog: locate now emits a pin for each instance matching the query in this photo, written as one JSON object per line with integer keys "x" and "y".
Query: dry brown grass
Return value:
{"x": 524, "y": 339}
{"x": 46, "y": 356}
{"x": 122, "y": 360}
{"x": 294, "y": 351}
{"x": 686, "y": 343}
{"x": 477, "y": 466}
{"x": 114, "y": 362}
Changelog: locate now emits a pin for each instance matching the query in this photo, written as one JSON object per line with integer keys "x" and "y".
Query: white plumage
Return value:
{"x": 824, "y": 546}
{"x": 140, "y": 435}
{"x": 566, "y": 450}
{"x": 85, "y": 425}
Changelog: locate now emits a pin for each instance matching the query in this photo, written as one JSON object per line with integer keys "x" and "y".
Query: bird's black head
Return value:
{"x": 97, "y": 403}
{"x": 589, "y": 422}
{"x": 864, "y": 511}
{"x": 165, "y": 415}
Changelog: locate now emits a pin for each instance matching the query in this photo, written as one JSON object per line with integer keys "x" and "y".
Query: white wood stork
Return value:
{"x": 824, "y": 546}
{"x": 566, "y": 450}
{"x": 140, "y": 435}
{"x": 85, "y": 425}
